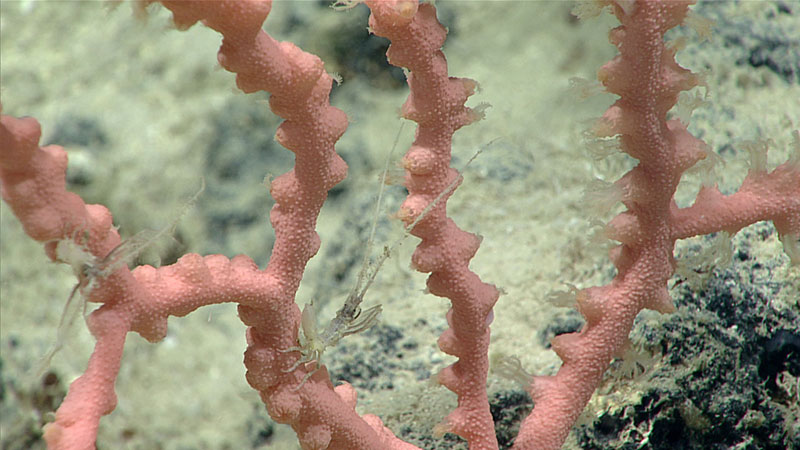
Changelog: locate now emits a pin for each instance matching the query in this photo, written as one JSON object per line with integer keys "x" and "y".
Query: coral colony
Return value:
{"x": 281, "y": 363}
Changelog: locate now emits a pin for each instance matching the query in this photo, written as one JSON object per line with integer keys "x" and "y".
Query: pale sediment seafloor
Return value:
{"x": 145, "y": 113}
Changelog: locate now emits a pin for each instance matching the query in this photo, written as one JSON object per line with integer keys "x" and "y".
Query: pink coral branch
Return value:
{"x": 647, "y": 80}
{"x": 436, "y": 103}
{"x": 141, "y": 301}
{"x": 644, "y": 75}
{"x": 33, "y": 185}
{"x": 773, "y": 196}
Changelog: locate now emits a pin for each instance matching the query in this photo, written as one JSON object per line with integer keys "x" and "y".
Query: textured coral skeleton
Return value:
{"x": 647, "y": 81}
{"x": 349, "y": 319}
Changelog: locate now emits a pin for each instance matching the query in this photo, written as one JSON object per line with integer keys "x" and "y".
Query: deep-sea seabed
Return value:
{"x": 145, "y": 113}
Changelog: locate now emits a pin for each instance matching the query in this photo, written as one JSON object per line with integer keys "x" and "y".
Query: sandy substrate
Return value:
{"x": 145, "y": 113}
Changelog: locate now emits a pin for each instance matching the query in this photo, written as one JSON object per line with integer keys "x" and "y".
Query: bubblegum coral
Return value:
{"x": 141, "y": 300}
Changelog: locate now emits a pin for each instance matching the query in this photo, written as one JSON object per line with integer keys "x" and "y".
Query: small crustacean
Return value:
{"x": 90, "y": 269}
{"x": 350, "y": 319}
